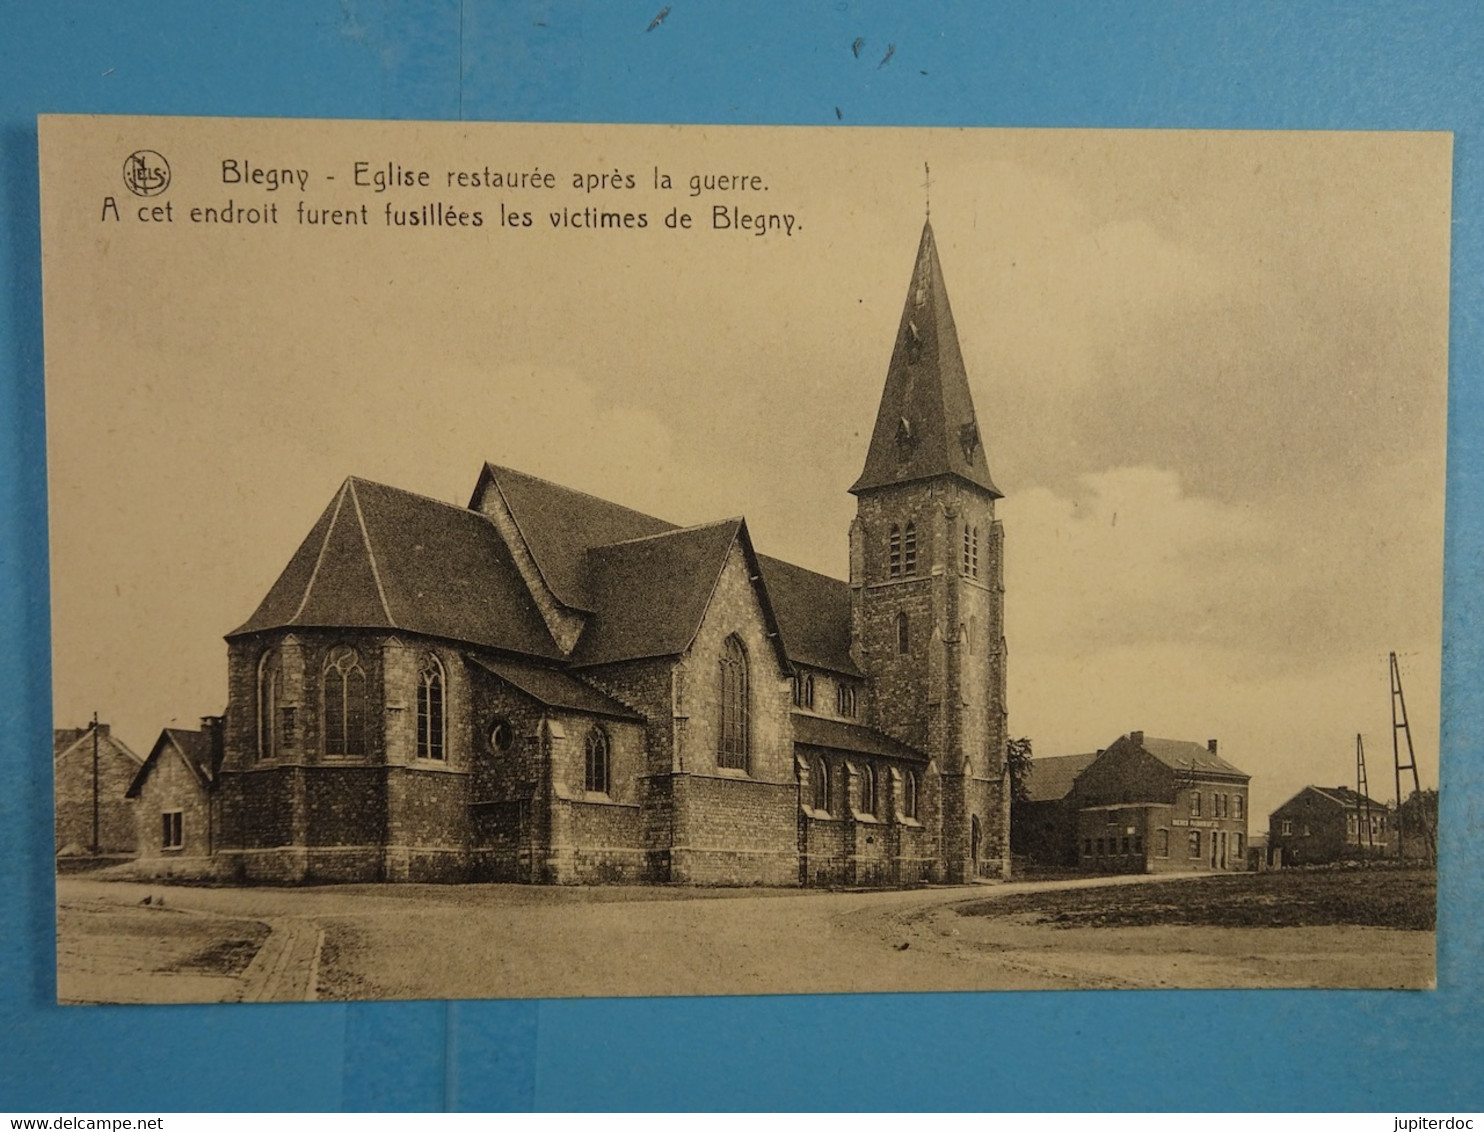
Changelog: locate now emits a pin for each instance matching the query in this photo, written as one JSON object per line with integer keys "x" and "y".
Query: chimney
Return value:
{"x": 212, "y": 726}
{"x": 1136, "y": 738}
{"x": 1211, "y": 745}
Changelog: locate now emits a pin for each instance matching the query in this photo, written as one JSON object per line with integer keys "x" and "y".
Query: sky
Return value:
{"x": 1209, "y": 369}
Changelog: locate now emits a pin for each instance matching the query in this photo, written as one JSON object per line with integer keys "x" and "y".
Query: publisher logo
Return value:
{"x": 146, "y": 173}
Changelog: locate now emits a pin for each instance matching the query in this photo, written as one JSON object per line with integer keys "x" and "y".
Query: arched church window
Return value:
{"x": 904, "y": 636}
{"x": 845, "y": 699}
{"x": 431, "y": 724}
{"x": 821, "y": 785}
{"x": 808, "y": 694}
{"x": 345, "y": 703}
{"x": 731, "y": 751}
{"x": 596, "y": 767}
{"x": 909, "y": 550}
{"x": 270, "y": 695}
{"x": 894, "y": 552}
{"x": 909, "y": 794}
{"x": 868, "y": 789}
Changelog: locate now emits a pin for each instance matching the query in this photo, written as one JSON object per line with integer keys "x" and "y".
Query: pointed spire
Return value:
{"x": 926, "y": 425}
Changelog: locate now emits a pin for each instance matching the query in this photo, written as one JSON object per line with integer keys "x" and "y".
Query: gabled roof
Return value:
{"x": 813, "y": 615}
{"x": 560, "y": 526}
{"x": 384, "y": 558}
{"x": 842, "y": 735}
{"x": 1341, "y": 796}
{"x": 649, "y": 595}
{"x": 1348, "y": 797}
{"x": 65, "y": 740}
{"x": 926, "y": 425}
{"x": 1050, "y": 779}
{"x": 191, "y": 747}
{"x": 555, "y": 688}
{"x": 1182, "y": 754}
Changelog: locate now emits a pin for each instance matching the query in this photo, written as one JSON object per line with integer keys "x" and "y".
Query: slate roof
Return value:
{"x": 1342, "y": 795}
{"x": 383, "y": 558}
{"x": 556, "y": 688}
{"x": 1050, "y": 779}
{"x": 1182, "y": 754}
{"x": 193, "y": 747}
{"x": 560, "y": 525}
{"x": 650, "y": 594}
{"x": 926, "y": 425}
{"x": 842, "y": 735}
{"x": 813, "y": 615}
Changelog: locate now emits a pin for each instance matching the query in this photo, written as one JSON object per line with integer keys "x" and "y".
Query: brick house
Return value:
{"x": 80, "y": 792}
{"x": 1147, "y": 805}
{"x": 172, "y": 793}
{"x": 1321, "y": 824}
{"x": 1043, "y": 826}
{"x": 545, "y": 686}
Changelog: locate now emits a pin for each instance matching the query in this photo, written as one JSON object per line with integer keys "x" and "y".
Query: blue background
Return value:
{"x": 1039, "y": 63}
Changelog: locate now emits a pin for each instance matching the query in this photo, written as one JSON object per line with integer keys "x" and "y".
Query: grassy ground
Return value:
{"x": 1381, "y": 897}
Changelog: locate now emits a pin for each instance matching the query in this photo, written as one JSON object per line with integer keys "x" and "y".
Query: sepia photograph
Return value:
{"x": 529, "y": 560}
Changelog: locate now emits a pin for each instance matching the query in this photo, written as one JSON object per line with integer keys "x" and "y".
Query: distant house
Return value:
{"x": 1147, "y": 805}
{"x": 1321, "y": 824}
{"x": 78, "y": 787}
{"x": 172, "y": 792}
{"x": 1043, "y": 824}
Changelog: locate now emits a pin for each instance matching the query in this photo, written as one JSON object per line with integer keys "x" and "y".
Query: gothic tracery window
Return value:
{"x": 431, "y": 728}
{"x": 731, "y": 751}
{"x": 344, "y": 703}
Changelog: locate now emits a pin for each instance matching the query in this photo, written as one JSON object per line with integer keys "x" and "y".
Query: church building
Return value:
{"x": 547, "y": 687}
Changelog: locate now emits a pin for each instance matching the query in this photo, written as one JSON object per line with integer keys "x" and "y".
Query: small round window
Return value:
{"x": 502, "y": 735}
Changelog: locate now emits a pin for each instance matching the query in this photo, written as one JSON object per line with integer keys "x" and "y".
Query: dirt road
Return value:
{"x": 498, "y": 941}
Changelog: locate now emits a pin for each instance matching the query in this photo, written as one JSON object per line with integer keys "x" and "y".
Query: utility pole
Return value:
{"x": 1362, "y": 798}
{"x": 1400, "y": 727}
{"x": 95, "y": 784}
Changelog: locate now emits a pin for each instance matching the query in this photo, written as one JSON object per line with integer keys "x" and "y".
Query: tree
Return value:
{"x": 1018, "y": 765}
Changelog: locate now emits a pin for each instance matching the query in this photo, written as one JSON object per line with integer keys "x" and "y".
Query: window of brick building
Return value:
{"x": 345, "y": 703}
{"x": 1195, "y": 803}
{"x": 1123, "y": 848}
{"x": 731, "y": 751}
{"x": 595, "y": 764}
{"x": 821, "y": 785}
{"x": 1087, "y": 847}
{"x": 1237, "y": 804}
{"x": 1237, "y": 846}
{"x": 1161, "y": 843}
{"x": 173, "y": 832}
{"x": 1287, "y": 826}
{"x": 431, "y": 726}
{"x": 1101, "y": 846}
{"x": 1195, "y": 843}
{"x": 1139, "y": 845}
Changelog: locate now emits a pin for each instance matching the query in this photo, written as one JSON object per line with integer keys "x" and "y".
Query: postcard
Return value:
{"x": 512, "y": 560}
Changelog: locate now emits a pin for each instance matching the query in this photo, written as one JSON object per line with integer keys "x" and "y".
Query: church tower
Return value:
{"x": 927, "y": 593}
